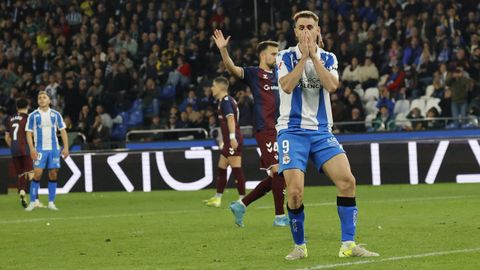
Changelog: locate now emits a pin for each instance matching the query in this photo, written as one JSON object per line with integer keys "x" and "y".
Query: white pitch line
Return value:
{"x": 408, "y": 257}
{"x": 385, "y": 201}
{"x": 187, "y": 211}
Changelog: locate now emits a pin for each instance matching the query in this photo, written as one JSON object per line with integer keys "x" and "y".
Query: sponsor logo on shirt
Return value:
{"x": 311, "y": 83}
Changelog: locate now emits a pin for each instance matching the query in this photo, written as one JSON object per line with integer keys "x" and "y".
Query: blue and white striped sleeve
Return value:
{"x": 332, "y": 65}
{"x": 284, "y": 64}
{"x": 30, "y": 122}
{"x": 60, "y": 123}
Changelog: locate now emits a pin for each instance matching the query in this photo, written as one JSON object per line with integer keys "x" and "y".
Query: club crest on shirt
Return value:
{"x": 286, "y": 159}
{"x": 265, "y": 76}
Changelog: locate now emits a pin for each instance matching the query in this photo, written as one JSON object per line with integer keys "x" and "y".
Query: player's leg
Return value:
{"x": 18, "y": 163}
{"x": 216, "y": 200}
{"x": 53, "y": 167}
{"x": 338, "y": 170}
{"x": 293, "y": 156}
{"x": 52, "y": 188}
{"x": 237, "y": 171}
{"x": 35, "y": 184}
{"x": 278, "y": 189}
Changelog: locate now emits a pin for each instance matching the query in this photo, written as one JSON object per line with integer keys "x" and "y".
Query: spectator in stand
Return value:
{"x": 350, "y": 74}
{"x": 85, "y": 120}
{"x": 107, "y": 120}
{"x": 459, "y": 86}
{"x": 356, "y": 116}
{"x": 191, "y": 100}
{"x": 415, "y": 116}
{"x": 368, "y": 74}
{"x": 395, "y": 79}
{"x": 384, "y": 120}
{"x": 99, "y": 134}
{"x": 385, "y": 100}
{"x": 431, "y": 121}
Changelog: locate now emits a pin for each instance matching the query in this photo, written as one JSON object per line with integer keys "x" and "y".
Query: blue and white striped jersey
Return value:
{"x": 308, "y": 106}
{"x": 44, "y": 126}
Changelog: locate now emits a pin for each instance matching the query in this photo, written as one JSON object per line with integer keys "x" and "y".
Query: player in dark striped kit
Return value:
{"x": 263, "y": 83}
{"x": 231, "y": 154}
{"x": 16, "y": 139}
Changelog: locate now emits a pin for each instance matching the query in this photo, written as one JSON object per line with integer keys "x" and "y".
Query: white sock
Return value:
{"x": 280, "y": 216}
{"x": 218, "y": 195}
{"x": 240, "y": 201}
{"x": 241, "y": 197}
{"x": 37, "y": 200}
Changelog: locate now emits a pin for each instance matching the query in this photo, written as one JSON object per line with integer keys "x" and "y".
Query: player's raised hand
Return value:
{"x": 220, "y": 40}
{"x": 303, "y": 45}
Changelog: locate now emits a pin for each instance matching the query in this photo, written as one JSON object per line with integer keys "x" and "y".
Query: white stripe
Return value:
{"x": 310, "y": 103}
{"x": 284, "y": 110}
{"x": 328, "y": 109}
{"x": 385, "y": 201}
{"x": 408, "y": 257}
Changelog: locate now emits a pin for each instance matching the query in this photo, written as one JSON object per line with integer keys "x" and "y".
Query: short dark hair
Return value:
{"x": 305, "y": 14}
{"x": 22, "y": 103}
{"x": 43, "y": 92}
{"x": 262, "y": 46}
{"x": 222, "y": 80}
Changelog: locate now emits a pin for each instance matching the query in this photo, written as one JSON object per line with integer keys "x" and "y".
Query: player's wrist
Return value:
{"x": 232, "y": 136}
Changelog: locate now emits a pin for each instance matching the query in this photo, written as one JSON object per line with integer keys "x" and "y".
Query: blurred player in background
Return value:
{"x": 16, "y": 139}
{"x": 263, "y": 83}
{"x": 42, "y": 126}
{"x": 231, "y": 154}
{"x": 307, "y": 75}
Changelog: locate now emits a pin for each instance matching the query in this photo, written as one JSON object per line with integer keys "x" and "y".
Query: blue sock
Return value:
{"x": 52, "y": 190}
{"x": 347, "y": 211}
{"x": 34, "y": 186}
{"x": 297, "y": 218}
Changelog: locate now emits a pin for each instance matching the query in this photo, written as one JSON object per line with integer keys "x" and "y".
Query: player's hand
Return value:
{"x": 220, "y": 40}
{"x": 303, "y": 45}
{"x": 34, "y": 154}
{"x": 65, "y": 153}
{"x": 311, "y": 44}
{"x": 234, "y": 144}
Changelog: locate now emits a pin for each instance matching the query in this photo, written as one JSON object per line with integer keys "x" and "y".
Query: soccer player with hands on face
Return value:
{"x": 307, "y": 75}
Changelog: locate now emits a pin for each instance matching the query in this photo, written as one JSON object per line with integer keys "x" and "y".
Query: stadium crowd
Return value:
{"x": 110, "y": 66}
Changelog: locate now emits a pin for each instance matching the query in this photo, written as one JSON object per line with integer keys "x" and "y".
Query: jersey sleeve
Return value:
{"x": 61, "y": 125}
{"x": 29, "y": 125}
{"x": 248, "y": 74}
{"x": 284, "y": 64}
{"x": 332, "y": 65}
{"x": 226, "y": 107}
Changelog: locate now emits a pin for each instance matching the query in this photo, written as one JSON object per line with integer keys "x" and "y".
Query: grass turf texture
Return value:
{"x": 174, "y": 230}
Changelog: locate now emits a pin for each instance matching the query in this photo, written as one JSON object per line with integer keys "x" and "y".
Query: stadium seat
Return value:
{"x": 124, "y": 116}
{"x": 369, "y": 119}
{"x": 359, "y": 90}
{"x": 371, "y": 107}
{"x": 371, "y": 93}
{"x": 401, "y": 121}
{"x": 119, "y": 132}
{"x": 418, "y": 103}
{"x": 402, "y": 106}
{"x": 428, "y": 92}
{"x": 135, "y": 118}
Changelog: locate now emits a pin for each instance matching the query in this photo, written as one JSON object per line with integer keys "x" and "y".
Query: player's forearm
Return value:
{"x": 30, "y": 141}
{"x": 64, "y": 135}
{"x": 328, "y": 80}
{"x": 231, "y": 126}
{"x": 229, "y": 64}
{"x": 8, "y": 140}
{"x": 290, "y": 81}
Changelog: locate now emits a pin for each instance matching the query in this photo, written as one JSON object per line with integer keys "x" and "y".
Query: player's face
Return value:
{"x": 43, "y": 101}
{"x": 269, "y": 56}
{"x": 216, "y": 88}
{"x": 307, "y": 25}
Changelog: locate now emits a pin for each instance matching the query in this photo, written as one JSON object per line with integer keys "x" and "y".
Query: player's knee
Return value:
{"x": 52, "y": 175}
{"x": 347, "y": 184}
{"x": 295, "y": 197}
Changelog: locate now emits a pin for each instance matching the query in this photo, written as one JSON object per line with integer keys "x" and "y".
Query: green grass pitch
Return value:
{"x": 413, "y": 227}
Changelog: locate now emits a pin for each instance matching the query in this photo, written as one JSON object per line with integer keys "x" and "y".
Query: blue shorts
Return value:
{"x": 296, "y": 146}
{"x": 49, "y": 159}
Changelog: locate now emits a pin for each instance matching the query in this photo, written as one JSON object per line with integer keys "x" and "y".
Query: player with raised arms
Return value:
{"x": 263, "y": 83}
